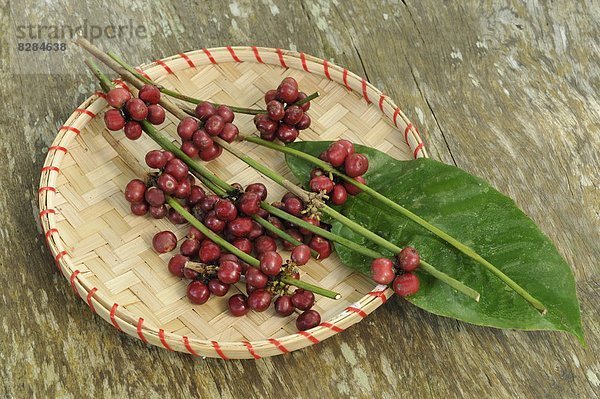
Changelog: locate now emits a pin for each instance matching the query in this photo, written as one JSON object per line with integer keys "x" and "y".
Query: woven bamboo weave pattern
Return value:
{"x": 105, "y": 252}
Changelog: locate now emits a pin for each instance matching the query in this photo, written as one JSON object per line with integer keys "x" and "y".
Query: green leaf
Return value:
{"x": 472, "y": 211}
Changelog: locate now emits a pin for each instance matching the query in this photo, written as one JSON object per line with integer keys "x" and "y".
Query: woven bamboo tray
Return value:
{"x": 105, "y": 252}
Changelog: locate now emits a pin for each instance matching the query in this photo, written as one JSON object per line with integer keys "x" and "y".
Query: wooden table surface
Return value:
{"x": 507, "y": 91}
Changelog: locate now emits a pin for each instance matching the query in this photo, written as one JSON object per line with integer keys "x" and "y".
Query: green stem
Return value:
{"x": 407, "y": 213}
{"x": 282, "y": 234}
{"x": 322, "y": 232}
{"x": 307, "y": 99}
{"x": 105, "y": 82}
{"x": 361, "y": 249}
{"x": 457, "y": 285}
{"x": 252, "y": 261}
{"x": 175, "y": 94}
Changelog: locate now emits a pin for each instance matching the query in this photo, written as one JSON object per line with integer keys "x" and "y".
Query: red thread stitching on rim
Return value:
{"x": 86, "y": 111}
{"x": 121, "y": 82}
{"x": 309, "y": 336}
{"x": 47, "y": 211}
{"x": 72, "y": 280}
{"x": 408, "y": 127}
{"x": 186, "y": 342}
{"x": 303, "y": 59}
{"x": 332, "y": 327}
{"x": 58, "y": 258}
{"x": 49, "y": 168}
{"x": 209, "y": 55}
{"x": 112, "y": 316}
{"x": 396, "y": 113}
{"x": 144, "y": 74}
{"x": 46, "y": 188}
{"x": 381, "y": 98}
{"x": 256, "y": 55}
{"x": 251, "y": 349}
{"x": 358, "y": 311}
{"x": 419, "y": 148}
{"x": 379, "y": 294}
{"x": 139, "y": 330}
{"x": 364, "y": 90}
{"x": 50, "y": 232}
{"x": 161, "y": 335}
{"x": 279, "y": 345}
{"x": 58, "y": 148}
{"x": 215, "y": 345}
{"x": 187, "y": 59}
{"x": 326, "y": 69}
{"x": 89, "y": 299}
{"x": 281, "y": 60}
{"x": 345, "y": 78}
{"x": 233, "y": 55}
{"x": 162, "y": 64}
{"x": 70, "y": 129}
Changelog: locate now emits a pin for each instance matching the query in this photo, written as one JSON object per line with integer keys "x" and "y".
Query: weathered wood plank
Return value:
{"x": 507, "y": 91}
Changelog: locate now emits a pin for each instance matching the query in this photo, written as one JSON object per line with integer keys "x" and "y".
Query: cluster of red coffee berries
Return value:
{"x": 128, "y": 111}
{"x": 203, "y": 261}
{"x": 172, "y": 179}
{"x": 340, "y": 154}
{"x": 213, "y": 272}
{"x": 197, "y": 134}
{"x": 294, "y": 205}
{"x": 399, "y": 274}
{"x": 283, "y": 119}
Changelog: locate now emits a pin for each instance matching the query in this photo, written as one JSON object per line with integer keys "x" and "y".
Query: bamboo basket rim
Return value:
{"x": 123, "y": 319}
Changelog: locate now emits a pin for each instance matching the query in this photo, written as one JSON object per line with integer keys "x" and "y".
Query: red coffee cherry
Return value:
{"x": 177, "y": 263}
{"x": 197, "y": 292}
{"x": 238, "y": 305}
{"x": 205, "y": 110}
{"x": 133, "y": 130}
{"x": 114, "y": 120}
{"x": 259, "y": 300}
{"x": 164, "y": 242}
{"x": 382, "y": 271}
{"x": 283, "y": 305}
{"x": 136, "y": 109}
{"x": 409, "y": 259}
{"x": 135, "y": 191}
{"x": 117, "y": 97}
{"x": 356, "y": 165}
{"x": 301, "y": 254}
{"x": 351, "y": 188}
{"x": 270, "y": 263}
{"x": 406, "y": 284}
{"x": 308, "y": 320}
{"x": 339, "y": 195}
{"x": 150, "y": 94}
{"x": 187, "y": 127}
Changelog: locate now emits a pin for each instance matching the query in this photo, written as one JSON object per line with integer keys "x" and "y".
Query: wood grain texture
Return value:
{"x": 507, "y": 91}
